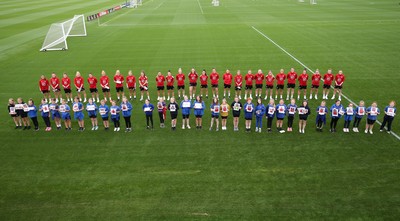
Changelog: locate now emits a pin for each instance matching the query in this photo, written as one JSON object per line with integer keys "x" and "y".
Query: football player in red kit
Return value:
{"x": 66, "y": 83}
{"x": 315, "y": 80}
{"x": 44, "y": 87}
{"x": 303, "y": 78}
{"x": 238, "y": 84}
{"x": 170, "y": 84}
{"x": 119, "y": 84}
{"x": 214, "y": 77}
{"x": 180, "y": 81}
{"x": 227, "y": 77}
{"x": 93, "y": 87}
{"x": 269, "y": 85}
{"x": 248, "y": 78}
{"x": 105, "y": 85}
{"x": 79, "y": 82}
{"x": 259, "y": 78}
{"x": 280, "y": 84}
{"x": 339, "y": 80}
{"x": 143, "y": 85}
{"x": 55, "y": 86}
{"x": 131, "y": 84}
{"x": 328, "y": 78}
{"x": 291, "y": 83}
{"x": 204, "y": 83}
{"x": 160, "y": 79}
{"x": 192, "y": 83}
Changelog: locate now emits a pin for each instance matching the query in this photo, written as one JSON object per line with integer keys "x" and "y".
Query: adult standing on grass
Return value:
{"x": 215, "y": 110}
{"x": 336, "y": 112}
{"x": 162, "y": 109}
{"x": 339, "y": 80}
{"x": 259, "y": 78}
{"x": 66, "y": 83}
{"x": 280, "y": 115}
{"x": 270, "y": 113}
{"x": 204, "y": 83}
{"x": 303, "y": 78}
{"x": 390, "y": 112}
{"x": 170, "y": 84}
{"x": 105, "y": 85}
{"x": 236, "y": 108}
{"x": 45, "y": 113}
{"x": 372, "y": 115}
{"x": 148, "y": 110}
{"x": 259, "y": 112}
{"x": 360, "y": 112}
{"x": 248, "y": 78}
{"x": 119, "y": 84}
{"x": 214, "y": 77}
{"x": 280, "y": 84}
{"x": 225, "y": 108}
{"x": 55, "y": 86}
{"x": 193, "y": 76}
{"x": 315, "y": 81}
{"x": 77, "y": 108}
{"x": 79, "y": 85}
{"x": 44, "y": 87}
{"x": 180, "y": 81}
{"x": 104, "y": 112}
{"x": 291, "y": 83}
{"x": 269, "y": 84}
{"x": 131, "y": 84}
{"x": 227, "y": 77}
{"x": 160, "y": 80}
{"x": 248, "y": 114}
{"x": 126, "y": 108}
{"x": 92, "y": 80}
{"x": 185, "y": 106}
{"x": 65, "y": 114}
{"x": 238, "y": 84}
{"x": 322, "y": 110}
{"x": 328, "y": 78}
{"x": 91, "y": 109}
{"x": 143, "y": 85}
{"x": 114, "y": 111}
{"x": 303, "y": 111}
{"x": 198, "y": 107}
{"x": 173, "y": 108}
{"x": 32, "y": 114}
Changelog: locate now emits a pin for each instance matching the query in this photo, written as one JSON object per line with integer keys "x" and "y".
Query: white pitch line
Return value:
{"x": 302, "y": 64}
{"x": 160, "y": 5}
{"x": 201, "y": 8}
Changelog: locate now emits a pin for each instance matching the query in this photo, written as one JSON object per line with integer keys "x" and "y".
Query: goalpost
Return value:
{"x": 56, "y": 38}
{"x": 312, "y": 2}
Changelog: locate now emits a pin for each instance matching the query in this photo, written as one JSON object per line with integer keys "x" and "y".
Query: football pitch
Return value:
{"x": 202, "y": 175}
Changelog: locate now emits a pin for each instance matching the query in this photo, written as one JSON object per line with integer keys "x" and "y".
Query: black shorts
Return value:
{"x": 269, "y": 86}
{"x": 93, "y": 90}
{"x": 338, "y": 87}
{"x": 170, "y": 87}
{"x": 105, "y": 118}
{"x": 56, "y": 90}
{"x": 132, "y": 88}
{"x": 185, "y": 116}
{"x": 160, "y": 88}
{"x": 303, "y": 117}
{"x": 248, "y": 118}
{"x": 181, "y": 87}
{"x": 291, "y": 85}
{"x": 198, "y": 116}
{"x": 204, "y": 86}
{"x": 279, "y": 118}
{"x": 67, "y": 90}
{"x": 45, "y": 91}
{"x": 302, "y": 87}
{"x": 214, "y": 85}
{"x": 326, "y": 86}
{"x": 119, "y": 89}
{"x": 13, "y": 115}
{"x": 193, "y": 84}
{"x": 214, "y": 116}
{"x": 249, "y": 87}
{"x": 105, "y": 89}
{"x": 92, "y": 116}
{"x": 24, "y": 114}
{"x": 258, "y": 86}
{"x": 142, "y": 89}
{"x": 315, "y": 86}
{"x": 82, "y": 89}
{"x": 238, "y": 88}
{"x": 369, "y": 121}
{"x": 174, "y": 116}
{"x": 236, "y": 114}
{"x": 280, "y": 86}
{"x": 224, "y": 117}
{"x": 227, "y": 86}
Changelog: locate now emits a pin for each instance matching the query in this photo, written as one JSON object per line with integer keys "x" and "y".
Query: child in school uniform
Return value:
{"x": 303, "y": 111}
{"x": 359, "y": 114}
{"x": 64, "y": 110}
{"x": 114, "y": 111}
{"x": 280, "y": 115}
{"x": 390, "y": 112}
{"x": 198, "y": 107}
{"x": 259, "y": 112}
{"x": 372, "y": 115}
{"x": 348, "y": 117}
{"x": 215, "y": 110}
{"x": 32, "y": 114}
{"x": 248, "y": 113}
{"x": 322, "y": 110}
{"x": 291, "y": 110}
{"x": 104, "y": 113}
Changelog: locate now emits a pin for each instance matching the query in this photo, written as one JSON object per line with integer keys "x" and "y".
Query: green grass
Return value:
{"x": 202, "y": 175}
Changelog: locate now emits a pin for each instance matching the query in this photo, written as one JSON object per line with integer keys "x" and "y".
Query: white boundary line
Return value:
{"x": 117, "y": 16}
{"x": 302, "y": 64}
{"x": 201, "y": 8}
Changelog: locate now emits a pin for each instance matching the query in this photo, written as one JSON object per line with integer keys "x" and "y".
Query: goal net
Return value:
{"x": 56, "y": 38}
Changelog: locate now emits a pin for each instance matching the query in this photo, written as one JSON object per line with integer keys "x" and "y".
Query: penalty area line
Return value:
{"x": 201, "y": 8}
{"x": 305, "y": 66}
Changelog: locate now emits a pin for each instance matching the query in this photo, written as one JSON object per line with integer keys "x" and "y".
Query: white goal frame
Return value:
{"x": 64, "y": 29}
